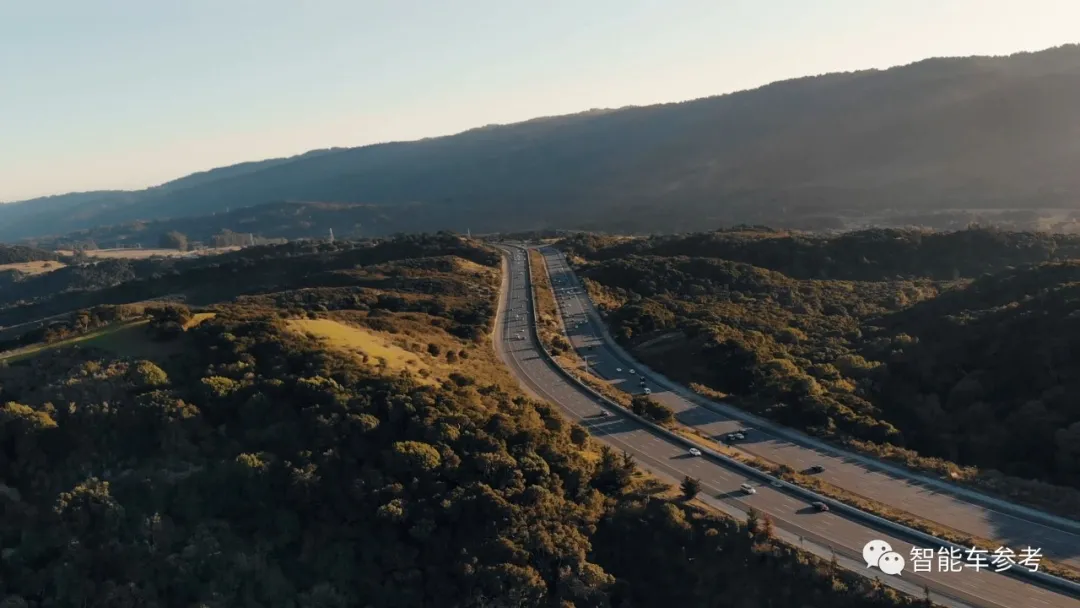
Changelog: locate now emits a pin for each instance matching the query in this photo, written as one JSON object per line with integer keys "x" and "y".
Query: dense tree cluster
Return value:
{"x": 173, "y": 240}
{"x": 867, "y": 255}
{"x": 77, "y": 277}
{"x": 258, "y": 467}
{"x": 219, "y": 277}
{"x": 912, "y": 354}
{"x": 13, "y": 254}
{"x": 75, "y": 324}
{"x": 652, "y": 409}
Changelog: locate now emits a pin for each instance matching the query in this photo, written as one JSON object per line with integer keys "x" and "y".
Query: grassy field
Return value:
{"x": 368, "y": 345}
{"x": 32, "y": 267}
{"x": 548, "y": 321}
{"x": 197, "y": 318}
{"x": 430, "y": 354}
{"x": 110, "y": 338}
{"x": 128, "y": 339}
{"x": 139, "y": 254}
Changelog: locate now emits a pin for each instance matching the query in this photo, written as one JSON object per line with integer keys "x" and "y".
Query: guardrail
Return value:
{"x": 1045, "y": 518}
{"x": 1047, "y": 580}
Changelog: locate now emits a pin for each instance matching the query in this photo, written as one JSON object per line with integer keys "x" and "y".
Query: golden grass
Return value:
{"x": 40, "y": 267}
{"x": 198, "y": 318}
{"x": 139, "y": 254}
{"x": 470, "y": 267}
{"x": 548, "y": 321}
{"x": 378, "y": 349}
{"x": 603, "y": 297}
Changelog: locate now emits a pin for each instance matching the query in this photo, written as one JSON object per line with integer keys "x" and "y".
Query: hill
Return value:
{"x": 263, "y": 222}
{"x": 340, "y": 435}
{"x": 936, "y": 142}
{"x": 17, "y": 254}
{"x": 932, "y": 349}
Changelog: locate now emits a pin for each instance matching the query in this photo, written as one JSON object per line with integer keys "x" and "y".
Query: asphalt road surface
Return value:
{"x": 796, "y": 521}
{"x": 979, "y": 520}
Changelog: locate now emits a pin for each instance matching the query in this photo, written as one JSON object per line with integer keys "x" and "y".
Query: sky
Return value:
{"x": 125, "y": 94}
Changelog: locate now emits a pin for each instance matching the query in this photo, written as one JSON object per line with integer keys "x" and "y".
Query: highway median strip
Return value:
{"x": 1069, "y": 578}
{"x": 864, "y": 503}
{"x": 1057, "y": 503}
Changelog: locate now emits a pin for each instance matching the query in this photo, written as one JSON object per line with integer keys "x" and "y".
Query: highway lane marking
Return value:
{"x": 724, "y": 475}
{"x": 666, "y": 467}
{"x": 875, "y": 475}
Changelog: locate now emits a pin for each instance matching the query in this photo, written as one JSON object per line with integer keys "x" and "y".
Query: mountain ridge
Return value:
{"x": 992, "y": 132}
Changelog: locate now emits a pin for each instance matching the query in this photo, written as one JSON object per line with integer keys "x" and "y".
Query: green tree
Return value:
{"x": 690, "y": 487}
{"x": 646, "y": 406}
{"x": 174, "y": 240}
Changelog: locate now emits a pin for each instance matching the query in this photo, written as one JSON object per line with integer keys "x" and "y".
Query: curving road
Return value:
{"x": 1058, "y": 540}
{"x": 823, "y": 533}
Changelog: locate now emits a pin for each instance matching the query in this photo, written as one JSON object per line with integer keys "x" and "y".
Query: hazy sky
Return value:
{"x": 130, "y": 93}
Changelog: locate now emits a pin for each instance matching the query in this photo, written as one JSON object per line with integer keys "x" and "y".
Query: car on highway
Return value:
{"x": 735, "y": 436}
{"x": 618, "y": 369}
{"x": 819, "y": 506}
{"x": 748, "y": 489}
{"x": 695, "y": 452}
{"x": 648, "y": 391}
{"x": 632, "y": 372}
{"x": 817, "y": 468}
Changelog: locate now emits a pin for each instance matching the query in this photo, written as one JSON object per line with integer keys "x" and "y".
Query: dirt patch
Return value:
{"x": 40, "y": 267}
{"x": 139, "y": 254}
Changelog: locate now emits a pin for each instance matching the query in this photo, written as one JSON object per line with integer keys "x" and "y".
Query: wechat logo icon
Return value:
{"x": 879, "y": 554}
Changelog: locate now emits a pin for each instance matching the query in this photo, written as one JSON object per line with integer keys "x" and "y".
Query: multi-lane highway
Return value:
{"x": 982, "y": 519}
{"x": 796, "y": 521}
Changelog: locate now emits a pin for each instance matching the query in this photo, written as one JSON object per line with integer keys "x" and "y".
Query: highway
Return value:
{"x": 823, "y": 533}
{"x": 587, "y": 335}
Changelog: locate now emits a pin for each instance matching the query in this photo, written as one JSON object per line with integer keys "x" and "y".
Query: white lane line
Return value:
{"x": 665, "y": 466}
{"x": 864, "y": 471}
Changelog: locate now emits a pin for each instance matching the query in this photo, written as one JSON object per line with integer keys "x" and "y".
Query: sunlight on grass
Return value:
{"x": 359, "y": 340}
{"x": 31, "y": 268}
{"x": 101, "y": 338}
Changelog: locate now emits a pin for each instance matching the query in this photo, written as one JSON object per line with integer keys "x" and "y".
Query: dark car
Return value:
{"x": 817, "y": 468}
{"x": 820, "y": 506}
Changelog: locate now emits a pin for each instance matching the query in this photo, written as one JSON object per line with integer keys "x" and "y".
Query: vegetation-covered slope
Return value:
{"x": 942, "y": 134}
{"x": 14, "y": 254}
{"x": 233, "y": 227}
{"x": 977, "y": 372}
{"x": 258, "y": 465}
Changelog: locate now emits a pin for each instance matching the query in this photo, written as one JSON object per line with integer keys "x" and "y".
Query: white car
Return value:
{"x": 695, "y": 452}
{"x": 648, "y": 391}
{"x": 748, "y": 489}
{"x": 618, "y": 369}
{"x": 632, "y": 372}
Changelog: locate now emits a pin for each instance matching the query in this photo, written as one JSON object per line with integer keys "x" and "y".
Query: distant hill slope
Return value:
{"x": 269, "y": 220}
{"x": 959, "y": 133}
{"x": 15, "y": 254}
